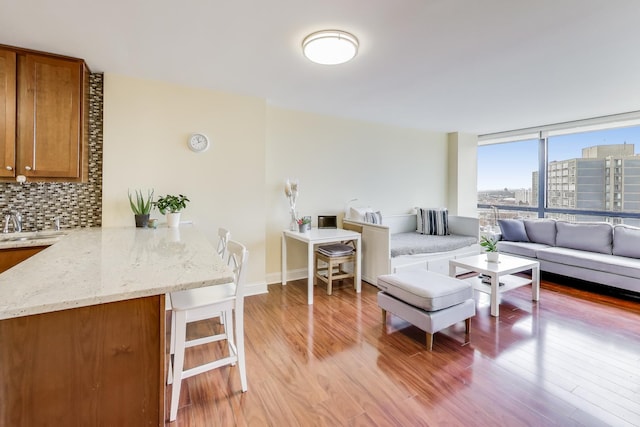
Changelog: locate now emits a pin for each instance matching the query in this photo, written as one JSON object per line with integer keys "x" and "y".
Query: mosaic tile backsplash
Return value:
{"x": 76, "y": 204}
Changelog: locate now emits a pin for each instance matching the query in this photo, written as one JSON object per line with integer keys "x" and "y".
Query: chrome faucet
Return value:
{"x": 16, "y": 218}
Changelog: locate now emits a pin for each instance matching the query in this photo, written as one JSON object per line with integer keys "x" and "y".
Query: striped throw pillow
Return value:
{"x": 373, "y": 217}
{"x": 434, "y": 221}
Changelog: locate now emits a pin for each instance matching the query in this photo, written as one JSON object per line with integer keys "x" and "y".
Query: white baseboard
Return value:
{"x": 300, "y": 273}
{"x": 255, "y": 289}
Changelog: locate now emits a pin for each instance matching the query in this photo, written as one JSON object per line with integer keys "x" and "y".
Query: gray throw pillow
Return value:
{"x": 513, "y": 230}
{"x": 541, "y": 231}
{"x": 373, "y": 217}
{"x": 626, "y": 241}
{"x": 586, "y": 236}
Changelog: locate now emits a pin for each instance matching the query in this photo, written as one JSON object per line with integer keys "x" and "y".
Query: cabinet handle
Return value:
{"x": 9, "y": 168}
{"x": 27, "y": 168}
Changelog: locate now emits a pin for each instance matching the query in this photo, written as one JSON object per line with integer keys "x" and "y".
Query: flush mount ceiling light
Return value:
{"x": 330, "y": 47}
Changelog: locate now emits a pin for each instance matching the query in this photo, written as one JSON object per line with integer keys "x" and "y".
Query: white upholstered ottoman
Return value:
{"x": 428, "y": 300}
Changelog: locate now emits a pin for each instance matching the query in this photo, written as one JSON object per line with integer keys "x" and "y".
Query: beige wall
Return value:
{"x": 335, "y": 160}
{"x": 463, "y": 174}
{"x": 238, "y": 183}
{"x": 146, "y": 125}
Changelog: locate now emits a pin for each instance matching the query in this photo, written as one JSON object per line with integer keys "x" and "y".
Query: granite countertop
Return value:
{"x": 100, "y": 265}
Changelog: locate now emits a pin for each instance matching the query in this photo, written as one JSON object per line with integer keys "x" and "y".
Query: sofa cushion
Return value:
{"x": 412, "y": 243}
{"x": 613, "y": 264}
{"x": 586, "y": 236}
{"x": 541, "y": 231}
{"x": 626, "y": 241}
{"x": 527, "y": 249}
{"x": 513, "y": 230}
{"x": 425, "y": 289}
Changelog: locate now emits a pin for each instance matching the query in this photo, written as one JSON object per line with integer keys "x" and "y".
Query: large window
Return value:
{"x": 507, "y": 177}
{"x": 588, "y": 176}
{"x": 595, "y": 171}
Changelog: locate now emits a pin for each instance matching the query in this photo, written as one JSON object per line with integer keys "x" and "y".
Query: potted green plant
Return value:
{"x": 141, "y": 207}
{"x": 304, "y": 224}
{"x": 172, "y": 205}
{"x": 490, "y": 246}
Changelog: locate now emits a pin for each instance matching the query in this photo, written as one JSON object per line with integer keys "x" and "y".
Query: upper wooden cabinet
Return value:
{"x": 7, "y": 113}
{"x": 45, "y": 135}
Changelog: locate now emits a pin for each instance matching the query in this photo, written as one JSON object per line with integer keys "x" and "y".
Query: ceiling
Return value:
{"x": 443, "y": 65}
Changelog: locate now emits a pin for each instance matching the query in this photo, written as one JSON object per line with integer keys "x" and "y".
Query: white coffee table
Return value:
{"x": 500, "y": 272}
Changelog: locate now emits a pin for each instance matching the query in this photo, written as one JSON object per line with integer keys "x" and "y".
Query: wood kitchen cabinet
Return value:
{"x": 7, "y": 112}
{"x": 45, "y": 136}
{"x": 14, "y": 256}
{"x": 101, "y": 365}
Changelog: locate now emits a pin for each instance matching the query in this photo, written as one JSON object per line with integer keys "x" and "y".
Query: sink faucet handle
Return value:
{"x": 7, "y": 218}
{"x": 17, "y": 221}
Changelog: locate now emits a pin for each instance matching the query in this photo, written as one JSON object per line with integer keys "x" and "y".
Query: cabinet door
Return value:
{"x": 7, "y": 113}
{"x": 14, "y": 256}
{"x": 101, "y": 365}
{"x": 49, "y": 108}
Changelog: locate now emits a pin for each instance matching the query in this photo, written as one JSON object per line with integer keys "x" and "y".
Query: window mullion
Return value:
{"x": 542, "y": 172}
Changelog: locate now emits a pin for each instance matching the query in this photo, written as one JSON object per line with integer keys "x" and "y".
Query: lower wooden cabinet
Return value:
{"x": 14, "y": 256}
{"x": 101, "y": 365}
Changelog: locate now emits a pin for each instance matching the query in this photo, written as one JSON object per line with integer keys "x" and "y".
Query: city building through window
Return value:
{"x": 591, "y": 175}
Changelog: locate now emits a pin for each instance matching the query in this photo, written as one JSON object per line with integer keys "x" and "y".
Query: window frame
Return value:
{"x": 543, "y": 134}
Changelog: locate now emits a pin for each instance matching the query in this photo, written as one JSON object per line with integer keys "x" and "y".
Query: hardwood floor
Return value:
{"x": 572, "y": 359}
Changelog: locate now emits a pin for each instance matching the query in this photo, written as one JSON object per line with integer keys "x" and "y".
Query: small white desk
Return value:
{"x": 320, "y": 236}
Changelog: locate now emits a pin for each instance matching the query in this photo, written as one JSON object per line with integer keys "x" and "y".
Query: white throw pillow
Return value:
{"x": 357, "y": 214}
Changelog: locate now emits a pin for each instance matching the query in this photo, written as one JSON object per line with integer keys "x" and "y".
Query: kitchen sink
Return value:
{"x": 25, "y": 237}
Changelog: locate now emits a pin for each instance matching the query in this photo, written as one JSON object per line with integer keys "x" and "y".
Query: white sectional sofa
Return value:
{"x": 593, "y": 251}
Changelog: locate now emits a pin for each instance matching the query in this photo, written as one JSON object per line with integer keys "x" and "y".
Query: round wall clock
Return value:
{"x": 198, "y": 142}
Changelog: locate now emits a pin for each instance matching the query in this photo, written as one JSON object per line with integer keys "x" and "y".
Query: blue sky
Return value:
{"x": 510, "y": 165}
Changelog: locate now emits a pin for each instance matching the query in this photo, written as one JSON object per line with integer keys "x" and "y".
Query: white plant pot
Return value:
{"x": 492, "y": 256}
{"x": 173, "y": 219}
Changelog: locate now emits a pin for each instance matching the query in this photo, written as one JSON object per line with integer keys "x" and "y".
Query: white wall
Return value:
{"x": 146, "y": 125}
{"x": 335, "y": 160}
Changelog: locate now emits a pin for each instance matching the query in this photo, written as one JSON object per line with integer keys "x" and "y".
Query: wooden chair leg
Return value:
{"x": 329, "y": 277}
{"x": 315, "y": 268}
{"x": 429, "y": 341}
{"x": 467, "y": 326}
{"x": 384, "y": 317}
{"x": 355, "y": 273}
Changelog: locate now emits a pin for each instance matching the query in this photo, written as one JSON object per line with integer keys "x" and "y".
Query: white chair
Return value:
{"x": 204, "y": 303}
{"x": 223, "y": 237}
